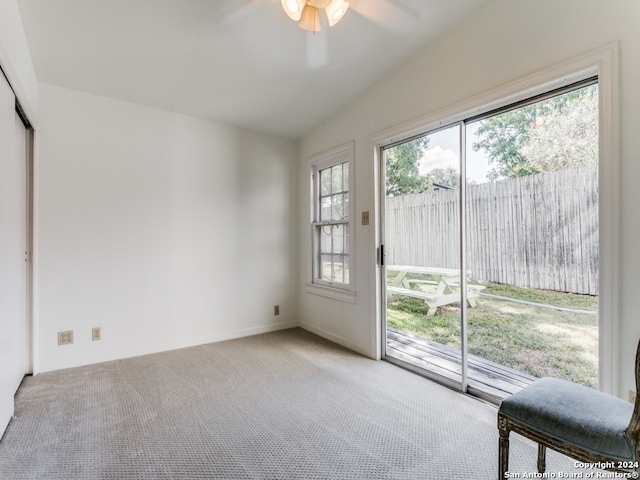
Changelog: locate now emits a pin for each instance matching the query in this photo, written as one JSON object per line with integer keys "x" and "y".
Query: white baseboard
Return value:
{"x": 362, "y": 350}
{"x": 114, "y": 354}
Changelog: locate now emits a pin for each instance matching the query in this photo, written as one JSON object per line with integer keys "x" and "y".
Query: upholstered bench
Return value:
{"x": 575, "y": 420}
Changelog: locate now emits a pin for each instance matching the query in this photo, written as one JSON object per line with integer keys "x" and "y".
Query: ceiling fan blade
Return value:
{"x": 317, "y": 49}
{"x": 389, "y": 14}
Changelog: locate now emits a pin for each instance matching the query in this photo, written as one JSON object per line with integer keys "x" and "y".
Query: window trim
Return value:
{"x": 339, "y": 291}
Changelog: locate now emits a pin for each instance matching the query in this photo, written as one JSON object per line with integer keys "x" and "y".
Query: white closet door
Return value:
{"x": 13, "y": 243}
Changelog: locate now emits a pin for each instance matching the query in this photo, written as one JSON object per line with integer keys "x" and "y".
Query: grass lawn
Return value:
{"x": 533, "y": 339}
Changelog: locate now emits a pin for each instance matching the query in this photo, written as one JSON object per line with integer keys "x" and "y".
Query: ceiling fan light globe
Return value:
{"x": 310, "y": 19}
{"x": 336, "y": 10}
{"x": 293, "y": 8}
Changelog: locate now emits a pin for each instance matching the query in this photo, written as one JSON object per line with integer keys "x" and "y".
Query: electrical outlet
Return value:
{"x": 632, "y": 396}
{"x": 65, "y": 338}
{"x": 276, "y": 310}
{"x": 95, "y": 333}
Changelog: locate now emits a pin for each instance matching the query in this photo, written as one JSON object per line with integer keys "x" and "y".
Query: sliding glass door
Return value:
{"x": 490, "y": 233}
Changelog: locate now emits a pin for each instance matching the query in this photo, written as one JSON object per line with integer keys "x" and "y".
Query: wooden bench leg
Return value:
{"x": 542, "y": 461}
{"x": 503, "y": 453}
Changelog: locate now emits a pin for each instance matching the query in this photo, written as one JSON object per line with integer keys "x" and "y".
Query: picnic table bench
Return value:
{"x": 436, "y": 286}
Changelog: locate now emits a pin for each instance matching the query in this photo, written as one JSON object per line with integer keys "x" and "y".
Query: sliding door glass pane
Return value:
{"x": 532, "y": 239}
{"x": 422, "y": 242}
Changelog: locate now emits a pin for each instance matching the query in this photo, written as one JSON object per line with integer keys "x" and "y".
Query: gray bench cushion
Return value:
{"x": 575, "y": 414}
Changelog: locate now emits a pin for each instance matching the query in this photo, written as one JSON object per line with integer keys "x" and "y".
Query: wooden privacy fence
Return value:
{"x": 538, "y": 231}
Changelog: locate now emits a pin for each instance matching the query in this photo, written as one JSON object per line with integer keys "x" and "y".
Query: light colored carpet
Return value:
{"x": 284, "y": 405}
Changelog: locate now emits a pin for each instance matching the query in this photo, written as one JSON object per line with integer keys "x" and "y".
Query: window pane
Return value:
{"x": 336, "y": 175}
{"x": 325, "y": 182}
{"x": 325, "y": 267}
{"x": 346, "y": 239}
{"x": 334, "y": 259}
{"x": 338, "y": 239}
{"x": 332, "y": 239}
{"x": 346, "y": 205}
{"x": 345, "y": 178}
{"x": 337, "y": 212}
{"x": 338, "y": 268}
{"x": 325, "y": 240}
{"x": 325, "y": 209}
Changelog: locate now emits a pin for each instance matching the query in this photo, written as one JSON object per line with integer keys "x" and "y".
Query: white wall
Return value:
{"x": 500, "y": 43}
{"x": 164, "y": 230}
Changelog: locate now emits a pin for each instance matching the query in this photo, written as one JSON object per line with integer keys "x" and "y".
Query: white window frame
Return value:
{"x": 336, "y": 290}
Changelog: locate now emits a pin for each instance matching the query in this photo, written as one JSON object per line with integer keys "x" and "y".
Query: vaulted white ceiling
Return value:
{"x": 240, "y": 62}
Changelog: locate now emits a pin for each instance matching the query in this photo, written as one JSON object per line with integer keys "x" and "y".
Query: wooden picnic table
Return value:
{"x": 436, "y": 286}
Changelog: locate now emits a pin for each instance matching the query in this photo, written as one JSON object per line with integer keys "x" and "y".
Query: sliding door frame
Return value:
{"x": 601, "y": 63}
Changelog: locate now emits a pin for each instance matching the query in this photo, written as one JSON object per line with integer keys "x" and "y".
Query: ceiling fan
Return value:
{"x": 390, "y": 14}
{"x": 312, "y": 14}
{"x": 307, "y": 12}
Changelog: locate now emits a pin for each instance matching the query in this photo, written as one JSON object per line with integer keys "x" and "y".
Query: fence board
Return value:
{"x": 538, "y": 231}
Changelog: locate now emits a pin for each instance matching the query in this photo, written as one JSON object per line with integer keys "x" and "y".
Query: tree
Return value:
{"x": 402, "y": 168}
{"x": 557, "y": 133}
{"x": 449, "y": 177}
{"x": 567, "y": 136}
{"x": 503, "y": 137}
